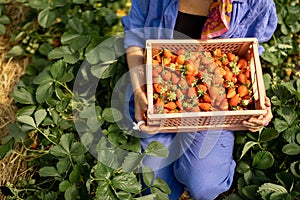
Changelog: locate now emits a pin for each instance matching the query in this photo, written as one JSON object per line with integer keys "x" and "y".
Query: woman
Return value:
{"x": 200, "y": 162}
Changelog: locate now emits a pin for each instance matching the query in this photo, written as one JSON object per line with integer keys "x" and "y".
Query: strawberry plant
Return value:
{"x": 60, "y": 36}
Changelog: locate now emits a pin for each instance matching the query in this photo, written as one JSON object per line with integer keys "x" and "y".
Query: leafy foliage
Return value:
{"x": 59, "y": 36}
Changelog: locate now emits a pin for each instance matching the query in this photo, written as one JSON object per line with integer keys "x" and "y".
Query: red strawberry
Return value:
{"x": 166, "y": 75}
{"x": 214, "y": 92}
{"x": 228, "y": 76}
{"x": 170, "y": 105}
{"x": 224, "y": 105}
{"x": 231, "y": 57}
{"x": 183, "y": 84}
{"x": 242, "y": 63}
{"x": 179, "y": 104}
{"x": 191, "y": 70}
{"x": 192, "y": 92}
{"x": 205, "y": 106}
{"x": 202, "y": 89}
{"x": 217, "y": 53}
{"x": 181, "y": 51}
{"x": 234, "y": 101}
{"x": 175, "y": 79}
{"x": 167, "y": 53}
{"x": 242, "y": 78}
{"x": 243, "y": 90}
{"x": 191, "y": 79}
{"x": 231, "y": 92}
{"x": 195, "y": 109}
{"x": 157, "y": 69}
{"x": 206, "y": 98}
{"x": 180, "y": 59}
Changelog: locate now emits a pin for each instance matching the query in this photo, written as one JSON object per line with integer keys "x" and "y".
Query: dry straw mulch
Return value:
{"x": 13, "y": 166}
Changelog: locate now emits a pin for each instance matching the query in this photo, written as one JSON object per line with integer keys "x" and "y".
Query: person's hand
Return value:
{"x": 140, "y": 112}
{"x": 254, "y": 124}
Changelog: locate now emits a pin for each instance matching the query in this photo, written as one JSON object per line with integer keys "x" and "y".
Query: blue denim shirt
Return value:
{"x": 250, "y": 18}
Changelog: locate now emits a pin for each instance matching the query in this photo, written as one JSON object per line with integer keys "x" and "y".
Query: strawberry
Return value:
{"x": 159, "y": 105}
{"x": 234, "y": 79}
{"x": 242, "y": 63}
{"x": 192, "y": 92}
{"x": 218, "y": 80}
{"x": 183, "y": 84}
{"x": 206, "y": 60}
{"x": 166, "y": 75}
{"x": 158, "y": 88}
{"x": 195, "y": 109}
{"x": 179, "y": 104}
{"x": 224, "y": 60}
{"x": 206, "y": 98}
{"x": 234, "y": 101}
{"x": 167, "y": 53}
{"x": 180, "y": 59}
{"x": 179, "y": 94}
{"x": 170, "y": 105}
{"x": 217, "y": 53}
{"x": 224, "y": 105}
{"x": 158, "y": 58}
{"x": 191, "y": 70}
{"x": 205, "y": 106}
{"x": 231, "y": 57}
{"x": 157, "y": 69}
{"x": 166, "y": 61}
{"x": 173, "y": 58}
{"x": 214, "y": 92}
{"x": 230, "y": 92}
{"x": 219, "y": 71}
{"x": 174, "y": 78}
{"x": 201, "y": 89}
{"x": 243, "y": 90}
{"x": 228, "y": 76}
{"x": 191, "y": 80}
{"x": 242, "y": 78}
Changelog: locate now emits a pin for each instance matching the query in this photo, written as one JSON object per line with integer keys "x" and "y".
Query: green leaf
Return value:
{"x": 268, "y": 135}
{"x": 76, "y": 25}
{"x": 157, "y": 149}
{"x": 67, "y": 77}
{"x": 127, "y": 182}
{"x": 88, "y": 16}
{"x": 111, "y": 115}
{"x": 72, "y": 193}
{"x": 79, "y": 1}
{"x": 80, "y": 42}
{"x": 101, "y": 53}
{"x": 281, "y": 196}
{"x": 6, "y": 148}
{"x": 45, "y": 49}
{"x": 291, "y": 149}
{"x": 159, "y": 194}
{"x": 280, "y": 125}
{"x": 132, "y": 161}
{"x": 232, "y": 196}
{"x": 15, "y": 51}
{"x": 74, "y": 176}
{"x": 104, "y": 191}
{"x": 287, "y": 114}
{"x": 290, "y": 134}
{"x": 59, "y": 52}
{"x": 102, "y": 171}
{"x": 286, "y": 179}
{"x": 58, "y": 151}
{"x": 44, "y": 92}
{"x": 39, "y": 116}
{"x": 43, "y": 78}
{"x": 162, "y": 185}
{"x": 2, "y": 30}
{"x": 108, "y": 158}
{"x": 23, "y": 96}
{"x": 148, "y": 175}
{"x": 267, "y": 189}
{"x": 250, "y": 191}
{"x": 298, "y": 137}
{"x": 263, "y": 160}
{"x": 247, "y": 146}
{"x": 14, "y": 132}
{"x": 58, "y": 69}
{"x": 64, "y": 185}
{"x": 48, "y": 171}
{"x": 242, "y": 167}
{"x": 46, "y": 18}
{"x": 295, "y": 169}
{"x": 25, "y": 119}
{"x": 4, "y": 19}
{"x": 63, "y": 165}
{"x": 66, "y": 141}
{"x": 77, "y": 149}
{"x": 38, "y": 4}
{"x": 69, "y": 37}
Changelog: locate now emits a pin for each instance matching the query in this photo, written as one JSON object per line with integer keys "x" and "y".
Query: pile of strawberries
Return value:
{"x": 189, "y": 81}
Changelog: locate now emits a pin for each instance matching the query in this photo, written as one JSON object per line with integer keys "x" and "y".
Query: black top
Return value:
{"x": 190, "y": 25}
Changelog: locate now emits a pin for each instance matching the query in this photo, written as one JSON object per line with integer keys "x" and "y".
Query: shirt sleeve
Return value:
{"x": 134, "y": 23}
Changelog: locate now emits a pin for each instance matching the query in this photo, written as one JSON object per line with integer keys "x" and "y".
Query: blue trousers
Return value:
{"x": 199, "y": 162}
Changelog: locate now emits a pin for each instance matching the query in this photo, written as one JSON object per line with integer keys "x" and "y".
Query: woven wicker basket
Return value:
{"x": 214, "y": 120}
